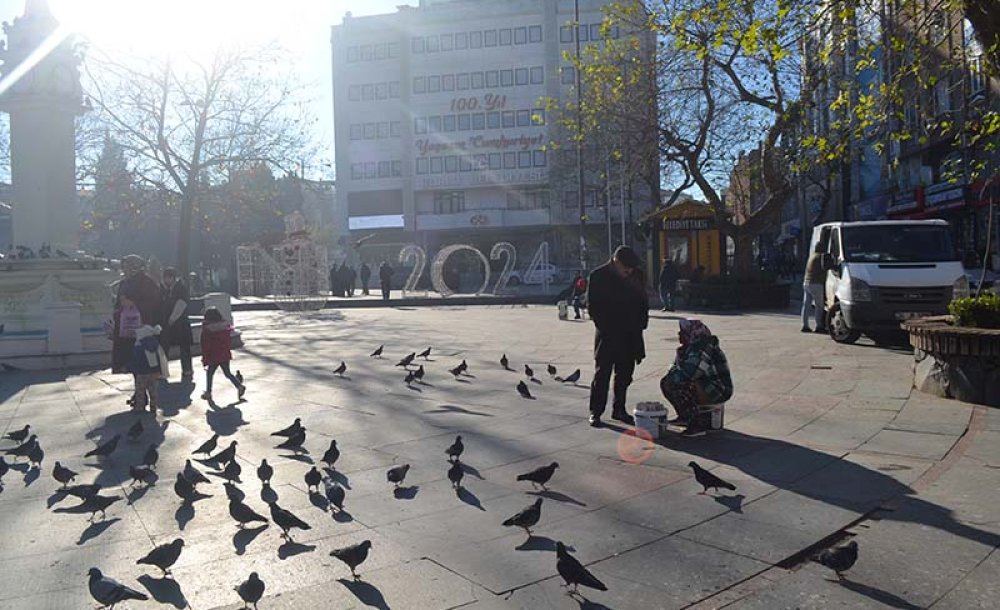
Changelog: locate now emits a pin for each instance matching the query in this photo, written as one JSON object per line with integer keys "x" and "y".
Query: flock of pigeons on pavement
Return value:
{"x": 108, "y": 592}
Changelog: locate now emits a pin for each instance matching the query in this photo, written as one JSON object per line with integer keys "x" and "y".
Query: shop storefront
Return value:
{"x": 687, "y": 234}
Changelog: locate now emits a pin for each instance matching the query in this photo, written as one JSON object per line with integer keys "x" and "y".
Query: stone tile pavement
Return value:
{"x": 823, "y": 441}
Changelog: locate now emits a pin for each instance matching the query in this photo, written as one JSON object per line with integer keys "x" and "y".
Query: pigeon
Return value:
{"x": 335, "y": 494}
{"x": 24, "y": 448}
{"x": 377, "y": 353}
{"x": 243, "y": 514}
{"x": 4, "y": 468}
{"x": 36, "y": 455}
{"x": 571, "y": 378}
{"x": 233, "y": 492}
{"x": 290, "y": 430}
{"x": 410, "y": 377}
{"x": 397, "y": 474}
{"x": 83, "y": 491}
{"x": 332, "y": 454}
{"x": 164, "y": 556}
{"x": 464, "y": 366}
{"x": 455, "y": 474}
{"x": 62, "y": 474}
{"x": 839, "y": 559}
{"x": 573, "y": 572}
{"x": 530, "y": 374}
{"x": 105, "y": 449}
{"x": 504, "y": 362}
{"x": 340, "y": 370}
{"x": 97, "y": 503}
{"x": 226, "y": 455}
{"x": 419, "y": 373}
{"x": 194, "y": 475}
{"x": 425, "y": 354}
{"x": 286, "y": 520}
{"x": 456, "y": 449}
{"x": 265, "y": 472}
{"x": 140, "y": 474}
{"x": 232, "y": 472}
{"x": 527, "y": 517}
{"x": 294, "y": 442}
{"x": 353, "y": 555}
{"x": 539, "y": 476}
{"x": 457, "y": 371}
{"x": 551, "y": 370}
{"x": 108, "y": 591}
{"x": 184, "y": 489}
{"x": 208, "y": 446}
{"x": 407, "y": 359}
{"x": 239, "y": 377}
{"x": 313, "y": 478}
{"x": 135, "y": 431}
{"x": 251, "y": 590}
{"x": 708, "y": 480}
{"x": 151, "y": 457}
{"x": 522, "y": 389}
{"x": 18, "y": 436}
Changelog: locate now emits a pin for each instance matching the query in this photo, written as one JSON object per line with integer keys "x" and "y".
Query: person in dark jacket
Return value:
{"x": 385, "y": 279}
{"x": 668, "y": 284}
{"x": 136, "y": 290}
{"x": 174, "y": 319}
{"x": 366, "y": 275}
{"x": 619, "y": 307}
{"x": 334, "y": 282}
{"x": 352, "y": 280}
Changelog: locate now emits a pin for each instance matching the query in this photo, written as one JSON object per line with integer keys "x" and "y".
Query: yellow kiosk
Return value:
{"x": 687, "y": 233}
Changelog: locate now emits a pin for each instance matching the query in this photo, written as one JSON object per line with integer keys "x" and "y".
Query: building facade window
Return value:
{"x": 449, "y": 202}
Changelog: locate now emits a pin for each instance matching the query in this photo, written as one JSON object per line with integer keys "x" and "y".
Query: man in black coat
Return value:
{"x": 174, "y": 297}
{"x": 619, "y": 307}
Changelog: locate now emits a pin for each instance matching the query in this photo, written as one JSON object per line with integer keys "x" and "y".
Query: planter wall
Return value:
{"x": 955, "y": 362}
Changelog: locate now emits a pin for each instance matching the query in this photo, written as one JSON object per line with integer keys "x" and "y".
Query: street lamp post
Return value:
{"x": 579, "y": 139}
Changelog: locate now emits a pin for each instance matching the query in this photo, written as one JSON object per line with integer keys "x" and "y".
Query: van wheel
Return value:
{"x": 839, "y": 331}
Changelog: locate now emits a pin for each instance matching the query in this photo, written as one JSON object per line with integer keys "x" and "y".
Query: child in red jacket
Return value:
{"x": 215, "y": 352}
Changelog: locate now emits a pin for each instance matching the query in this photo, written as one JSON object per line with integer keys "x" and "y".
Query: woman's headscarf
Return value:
{"x": 691, "y": 331}
{"x": 133, "y": 264}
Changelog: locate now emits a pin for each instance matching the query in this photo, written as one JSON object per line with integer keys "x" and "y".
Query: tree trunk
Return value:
{"x": 743, "y": 255}
{"x": 184, "y": 235}
{"x": 985, "y": 18}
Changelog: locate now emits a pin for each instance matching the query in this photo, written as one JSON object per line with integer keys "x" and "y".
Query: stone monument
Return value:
{"x": 53, "y": 298}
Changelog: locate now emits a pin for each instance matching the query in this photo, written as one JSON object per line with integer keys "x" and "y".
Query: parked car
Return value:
{"x": 547, "y": 272}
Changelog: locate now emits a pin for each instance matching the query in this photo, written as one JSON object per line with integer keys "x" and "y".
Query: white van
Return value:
{"x": 882, "y": 272}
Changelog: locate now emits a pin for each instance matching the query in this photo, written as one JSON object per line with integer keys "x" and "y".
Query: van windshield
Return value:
{"x": 898, "y": 244}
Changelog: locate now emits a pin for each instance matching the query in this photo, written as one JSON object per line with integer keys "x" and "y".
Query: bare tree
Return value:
{"x": 185, "y": 127}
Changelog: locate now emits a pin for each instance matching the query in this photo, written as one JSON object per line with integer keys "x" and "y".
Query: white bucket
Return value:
{"x": 713, "y": 416}
{"x": 649, "y": 416}
{"x": 563, "y": 310}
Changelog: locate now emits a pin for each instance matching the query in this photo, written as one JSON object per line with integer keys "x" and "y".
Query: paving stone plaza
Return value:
{"x": 824, "y": 442}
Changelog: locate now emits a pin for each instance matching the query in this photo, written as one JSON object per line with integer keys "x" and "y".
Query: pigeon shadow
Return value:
{"x": 268, "y": 495}
{"x": 57, "y": 496}
{"x": 457, "y": 409}
{"x": 586, "y": 604}
{"x": 183, "y": 515}
{"x": 164, "y": 590}
{"x": 414, "y": 389}
{"x": 733, "y": 503}
{"x": 469, "y": 498}
{"x": 538, "y": 543}
{"x": 472, "y": 471}
{"x": 344, "y": 377}
{"x": 32, "y": 475}
{"x": 339, "y": 477}
{"x": 555, "y": 495}
{"x": 298, "y": 457}
{"x": 368, "y": 594}
{"x": 243, "y": 537}
{"x": 529, "y": 398}
{"x": 460, "y": 380}
{"x": 342, "y": 516}
{"x": 406, "y": 493}
{"x": 878, "y": 595}
{"x": 235, "y": 493}
{"x": 291, "y": 548}
{"x": 319, "y": 500}
{"x": 136, "y": 493}
{"x": 425, "y": 384}
{"x": 96, "y": 529}
{"x": 538, "y": 381}
{"x": 225, "y": 421}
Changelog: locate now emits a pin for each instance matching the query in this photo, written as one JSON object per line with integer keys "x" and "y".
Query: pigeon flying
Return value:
{"x": 164, "y": 556}
{"x": 407, "y": 359}
{"x": 62, "y": 474}
{"x": 504, "y": 362}
{"x": 335, "y": 494}
{"x": 573, "y": 572}
{"x": 839, "y": 559}
{"x": 286, "y": 520}
{"x": 528, "y": 372}
{"x": 377, "y": 353}
{"x": 135, "y": 431}
{"x": 108, "y": 591}
{"x": 340, "y": 370}
{"x": 551, "y": 370}
{"x": 522, "y": 389}
{"x": 397, "y": 474}
{"x": 425, "y": 354}
{"x": 194, "y": 475}
{"x": 265, "y": 472}
{"x": 105, "y": 449}
{"x": 456, "y": 449}
{"x": 251, "y": 590}
{"x": 290, "y": 430}
{"x": 708, "y": 480}
{"x": 455, "y": 474}
{"x": 294, "y": 442}
{"x": 208, "y": 446}
{"x": 353, "y": 555}
{"x": 527, "y": 517}
{"x": 18, "y": 436}
{"x": 332, "y": 454}
{"x": 313, "y": 478}
{"x": 184, "y": 489}
{"x": 243, "y": 514}
{"x": 539, "y": 476}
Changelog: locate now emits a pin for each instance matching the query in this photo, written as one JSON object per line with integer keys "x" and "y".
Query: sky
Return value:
{"x": 193, "y": 26}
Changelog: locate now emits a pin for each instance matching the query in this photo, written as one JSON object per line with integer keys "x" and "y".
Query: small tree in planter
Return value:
{"x": 978, "y": 312}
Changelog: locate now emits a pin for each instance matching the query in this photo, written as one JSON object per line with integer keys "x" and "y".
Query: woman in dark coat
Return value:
{"x": 142, "y": 292}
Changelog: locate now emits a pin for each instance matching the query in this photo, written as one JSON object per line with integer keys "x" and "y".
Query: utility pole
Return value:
{"x": 579, "y": 139}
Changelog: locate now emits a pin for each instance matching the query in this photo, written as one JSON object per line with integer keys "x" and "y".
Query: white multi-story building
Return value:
{"x": 442, "y": 136}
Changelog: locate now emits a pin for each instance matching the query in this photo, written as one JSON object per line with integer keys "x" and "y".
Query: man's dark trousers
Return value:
{"x": 608, "y": 359}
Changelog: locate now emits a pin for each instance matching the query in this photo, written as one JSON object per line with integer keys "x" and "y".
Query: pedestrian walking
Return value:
{"x": 366, "y": 276}
{"x": 385, "y": 279}
{"x": 579, "y": 294}
{"x": 352, "y": 281}
{"x": 813, "y": 289}
{"x": 148, "y": 365}
{"x": 174, "y": 297}
{"x": 137, "y": 302}
{"x": 216, "y": 335}
{"x": 619, "y": 307}
{"x": 668, "y": 284}
{"x": 334, "y": 281}
{"x": 699, "y": 376}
